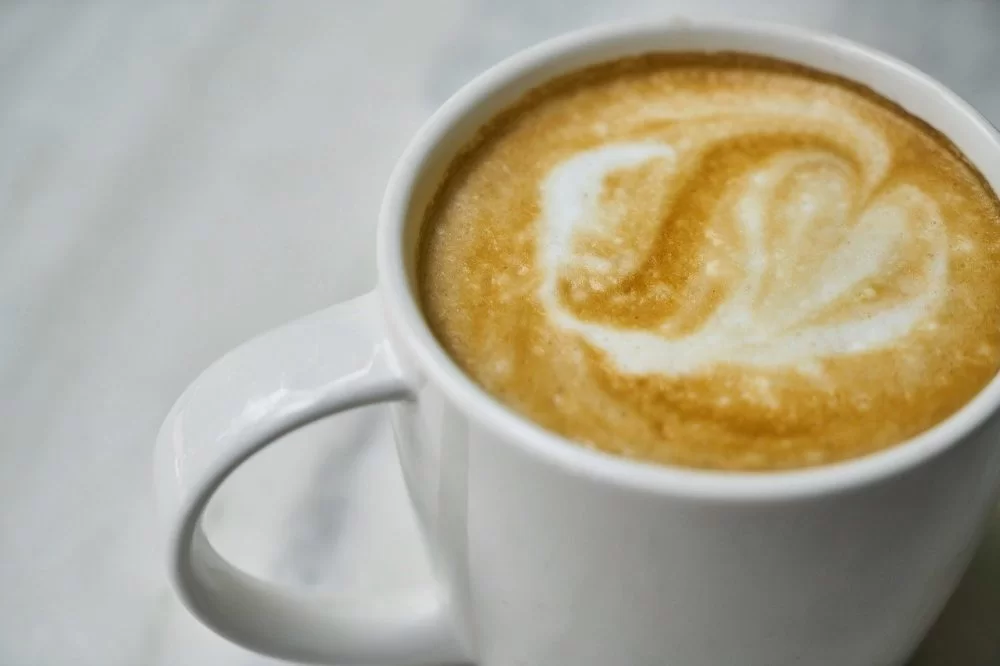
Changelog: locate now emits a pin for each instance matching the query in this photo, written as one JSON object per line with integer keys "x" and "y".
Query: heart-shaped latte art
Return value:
{"x": 805, "y": 255}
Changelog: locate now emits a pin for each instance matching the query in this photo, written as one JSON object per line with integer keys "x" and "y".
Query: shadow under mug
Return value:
{"x": 545, "y": 552}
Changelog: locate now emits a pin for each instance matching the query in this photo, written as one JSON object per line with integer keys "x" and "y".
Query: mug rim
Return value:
{"x": 404, "y": 314}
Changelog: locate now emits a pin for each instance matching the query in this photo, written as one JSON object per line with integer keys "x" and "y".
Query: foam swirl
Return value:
{"x": 814, "y": 255}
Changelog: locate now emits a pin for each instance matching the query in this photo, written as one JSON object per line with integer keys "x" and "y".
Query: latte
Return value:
{"x": 716, "y": 261}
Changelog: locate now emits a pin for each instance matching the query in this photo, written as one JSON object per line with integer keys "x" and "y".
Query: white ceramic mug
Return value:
{"x": 547, "y": 553}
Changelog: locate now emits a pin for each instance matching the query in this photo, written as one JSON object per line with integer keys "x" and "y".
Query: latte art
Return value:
{"x": 790, "y": 300}
{"x": 716, "y": 261}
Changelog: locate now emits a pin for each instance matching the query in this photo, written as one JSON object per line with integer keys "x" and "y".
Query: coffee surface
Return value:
{"x": 716, "y": 261}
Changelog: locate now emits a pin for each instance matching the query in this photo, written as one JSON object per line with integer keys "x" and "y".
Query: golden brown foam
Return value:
{"x": 480, "y": 276}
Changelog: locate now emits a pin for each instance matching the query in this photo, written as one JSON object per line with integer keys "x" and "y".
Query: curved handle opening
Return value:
{"x": 322, "y": 365}
{"x": 310, "y": 628}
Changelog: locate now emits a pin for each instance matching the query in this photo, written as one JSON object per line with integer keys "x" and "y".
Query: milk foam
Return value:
{"x": 801, "y": 319}
{"x": 717, "y": 261}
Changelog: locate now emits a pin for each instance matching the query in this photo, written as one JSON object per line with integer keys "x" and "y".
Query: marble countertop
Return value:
{"x": 177, "y": 177}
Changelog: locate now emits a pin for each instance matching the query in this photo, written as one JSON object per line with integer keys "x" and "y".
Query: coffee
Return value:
{"x": 716, "y": 261}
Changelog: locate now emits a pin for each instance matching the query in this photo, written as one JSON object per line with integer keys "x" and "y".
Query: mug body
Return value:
{"x": 545, "y": 564}
{"x": 554, "y": 554}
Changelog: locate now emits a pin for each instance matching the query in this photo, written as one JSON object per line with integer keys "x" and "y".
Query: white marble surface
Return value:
{"x": 177, "y": 177}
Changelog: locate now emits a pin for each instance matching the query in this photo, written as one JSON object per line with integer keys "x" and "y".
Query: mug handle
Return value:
{"x": 323, "y": 364}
